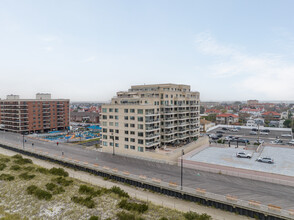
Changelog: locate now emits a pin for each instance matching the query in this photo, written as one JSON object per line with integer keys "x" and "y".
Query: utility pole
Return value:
{"x": 258, "y": 131}
{"x": 113, "y": 153}
{"x": 23, "y": 141}
{"x": 182, "y": 169}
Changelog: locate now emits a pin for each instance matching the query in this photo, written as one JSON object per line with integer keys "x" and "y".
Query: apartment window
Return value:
{"x": 105, "y": 143}
{"x": 104, "y": 110}
{"x": 132, "y": 117}
{"x": 116, "y": 145}
{"x": 126, "y": 110}
{"x": 111, "y": 144}
{"x": 110, "y": 116}
{"x": 126, "y": 118}
{"x": 140, "y": 134}
{"x": 111, "y": 110}
{"x": 140, "y": 126}
{"x": 126, "y": 125}
{"x": 116, "y": 110}
{"x": 140, "y": 141}
{"x": 116, "y": 131}
{"x": 126, "y": 132}
{"x": 116, "y": 138}
{"x": 132, "y": 147}
{"x": 132, "y": 110}
{"x": 104, "y": 130}
{"x": 132, "y": 139}
{"x": 140, "y": 111}
{"x": 126, "y": 139}
{"x": 140, "y": 118}
{"x": 126, "y": 146}
{"x": 111, "y": 130}
{"x": 116, "y": 124}
{"x": 104, "y": 123}
{"x": 104, "y": 137}
{"x": 116, "y": 117}
{"x": 132, "y": 133}
{"x": 132, "y": 125}
{"x": 110, "y": 123}
{"x": 140, "y": 149}
{"x": 104, "y": 116}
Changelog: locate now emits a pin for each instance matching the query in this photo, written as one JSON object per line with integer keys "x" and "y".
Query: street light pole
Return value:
{"x": 23, "y": 141}
{"x": 182, "y": 169}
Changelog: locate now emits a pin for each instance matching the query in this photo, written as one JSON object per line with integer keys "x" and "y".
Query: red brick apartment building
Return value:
{"x": 42, "y": 114}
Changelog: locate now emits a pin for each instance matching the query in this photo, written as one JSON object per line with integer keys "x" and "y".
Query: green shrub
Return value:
{"x": 127, "y": 216}
{"x": 58, "y": 172}
{"x": 54, "y": 188}
{"x": 195, "y": 216}
{"x": 15, "y": 167}
{"x": 4, "y": 160}
{"x": 133, "y": 206}
{"x": 26, "y": 176}
{"x": 88, "y": 202}
{"x": 6, "y": 177}
{"x": 94, "y": 218}
{"x": 42, "y": 170}
{"x": 22, "y": 161}
{"x": 119, "y": 192}
{"x": 62, "y": 181}
{"x": 31, "y": 189}
{"x": 29, "y": 168}
{"x": 17, "y": 156}
{"x": 2, "y": 166}
{"x": 39, "y": 193}
{"x": 84, "y": 189}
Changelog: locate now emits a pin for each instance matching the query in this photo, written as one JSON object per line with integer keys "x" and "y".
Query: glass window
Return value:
{"x": 132, "y": 133}
{"x": 140, "y": 118}
{"x": 140, "y": 126}
{"x": 126, "y": 118}
{"x": 132, "y": 125}
{"x": 116, "y": 110}
{"x": 140, "y": 149}
{"x": 104, "y": 143}
{"x": 140, "y": 141}
{"x": 110, "y": 123}
{"x": 126, "y": 110}
{"x": 126, "y": 146}
{"x": 132, "y": 147}
{"x": 126, "y": 132}
{"x": 116, "y": 117}
{"x": 140, "y": 134}
{"x": 140, "y": 111}
{"x": 132, "y": 110}
{"x": 126, "y": 139}
{"x": 111, "y": 110}
{"x": 132, "y": 139}
{"x": 104, "y": 123}
{"x": 104, "y": 116}
{"x": 126, "y": 125}
{"x": 104, "y": 137}
{"x": 116, "y": 124}
{"x": 104, "y": 110}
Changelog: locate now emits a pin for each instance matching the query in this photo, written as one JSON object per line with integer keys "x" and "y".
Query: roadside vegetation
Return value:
{"x": 28, "y": 191}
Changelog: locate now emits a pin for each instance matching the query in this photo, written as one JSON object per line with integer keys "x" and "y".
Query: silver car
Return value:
{"x": 243, "y": 155}
{"x": 265, "y": 160}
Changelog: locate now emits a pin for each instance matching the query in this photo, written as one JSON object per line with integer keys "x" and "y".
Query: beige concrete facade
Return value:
{"x": 149, "y": 117}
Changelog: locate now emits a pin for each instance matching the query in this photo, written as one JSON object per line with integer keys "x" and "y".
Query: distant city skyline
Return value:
{"x": 89, "y": 50}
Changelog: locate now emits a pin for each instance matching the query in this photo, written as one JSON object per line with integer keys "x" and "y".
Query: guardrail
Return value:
{"x": 229, "y": 202}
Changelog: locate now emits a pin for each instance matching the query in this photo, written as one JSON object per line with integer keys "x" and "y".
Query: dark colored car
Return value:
{"x": 225, "y": 129}
{"x": 219, "y": 135}
{"x": 265, "y": 130}
{"x": 220, "y": 132}
{"x": 254, "y": 129}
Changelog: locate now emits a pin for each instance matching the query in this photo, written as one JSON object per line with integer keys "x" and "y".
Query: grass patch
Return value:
{"x": 39, "y": 193}
{"x": 42, "y": 170}
{"x": 88, "y": 201}
{"x": 23, "y": 161}
{"x": 195, "y": 216}
{"x": 62, "y": 181}
{"x": 26, "y": 176}
{"x": 29, "y": 168}
{"x": 119, "y": 192}
{"x": 58, "y": 172}
{"x": 133, "y": 206}
{"x": 94, "y": 217}
{"x": 2, "y": 166}
{"x": 6, "y": 177}
{"x": 15, "y": 167}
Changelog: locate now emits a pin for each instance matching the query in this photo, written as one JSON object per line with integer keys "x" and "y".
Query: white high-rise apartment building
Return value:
{"x": 147, "y": 117}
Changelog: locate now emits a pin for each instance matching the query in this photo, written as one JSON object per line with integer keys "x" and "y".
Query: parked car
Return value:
{"x": 214, "y": 137}
{"x": 265, "y": 160}
{"x": 238, "y": 128}
{"x": 229, "y": 138}
{"x": 224, "y": 128}
{"x": 266, "y": 130}
{"x": 291, "y": 142}
{"x": 243, "y": 141}
{"x": 253, "y": 133}
{"x": 277, "y": 141}
{"x": 286, "y": 135}
{"x": 220, "y": 132}
{"x": 254, "y": 129}
{"x": 234, "y": 130}
{"x": 243, "y": 155}
{"x": 219, "y": 135}
{"x": 263, "y": 133}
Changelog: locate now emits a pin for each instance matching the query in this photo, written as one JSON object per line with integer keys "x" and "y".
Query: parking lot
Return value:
{"x": 244, "y": 133}
{"x": 283, "y": 159}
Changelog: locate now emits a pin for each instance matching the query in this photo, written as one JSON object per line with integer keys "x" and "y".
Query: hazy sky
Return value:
{"x": 89, "y": 50}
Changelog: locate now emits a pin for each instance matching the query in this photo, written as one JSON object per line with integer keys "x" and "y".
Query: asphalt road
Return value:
{"x": 245, "y": 189}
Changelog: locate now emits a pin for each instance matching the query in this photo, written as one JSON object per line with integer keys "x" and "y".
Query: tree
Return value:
{"x": 288, "y": 123}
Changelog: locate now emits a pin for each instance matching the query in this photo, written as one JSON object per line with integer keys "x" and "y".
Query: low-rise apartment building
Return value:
{"x": 147, "y": 117}
{"x": 34, "y": 115}
{"x": 227, "y": 119}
